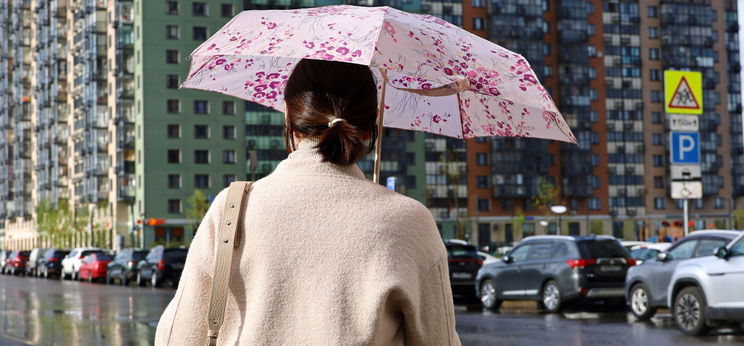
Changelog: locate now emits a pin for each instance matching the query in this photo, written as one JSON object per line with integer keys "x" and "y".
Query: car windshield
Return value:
{"x": 139, "y": 255}
{"x": 24, "y": 253}
{"x": 174, "y": 254}
{"x": 60, "y": 254}
{"x": 462, "y": 251}
{"x": 88, "y": 252}
{"x": 603, "y": 248}
{"x": 103, "y": 257}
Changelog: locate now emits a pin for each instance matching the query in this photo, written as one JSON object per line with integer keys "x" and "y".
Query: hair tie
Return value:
{"x": 334, "y": 121}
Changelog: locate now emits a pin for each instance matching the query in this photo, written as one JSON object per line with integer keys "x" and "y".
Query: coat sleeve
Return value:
{"x": 184, "y": 321}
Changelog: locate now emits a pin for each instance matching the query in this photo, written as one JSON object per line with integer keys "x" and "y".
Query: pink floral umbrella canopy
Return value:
{"x": 444, "y": 79}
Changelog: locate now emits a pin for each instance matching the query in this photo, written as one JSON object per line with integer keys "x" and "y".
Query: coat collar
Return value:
{"x": 306, "y": 160}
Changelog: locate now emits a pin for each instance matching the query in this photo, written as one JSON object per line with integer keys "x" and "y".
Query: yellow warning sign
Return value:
{"x": 683, "y": 91}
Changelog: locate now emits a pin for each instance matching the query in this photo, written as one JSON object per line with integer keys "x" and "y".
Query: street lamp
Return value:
{"x": 559, "y": 209}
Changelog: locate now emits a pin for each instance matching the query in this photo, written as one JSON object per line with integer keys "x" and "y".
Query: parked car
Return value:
{"x": 464, "y": 262}
{"x": 16, "y": 262}
{"x": 487, "y": 258}
{"x": 646, "y": 285}
{"x": 708, "y": 291}
{"x": 51, "y": 263}
{"x": 124, "y": 266}
{"x": 555, "y": 270}
{"x": 161, "y": 265}
{"x": 4, "y": 254}
{"x": 32, "y": 264}
{"x": 94, "y": 266}
{"x": 630, "y": 244}
{"x": 71, "y": 263}
{"x": 649, "y": 251}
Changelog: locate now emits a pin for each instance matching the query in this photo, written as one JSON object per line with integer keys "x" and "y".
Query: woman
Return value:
{"x": 326, "y": 256}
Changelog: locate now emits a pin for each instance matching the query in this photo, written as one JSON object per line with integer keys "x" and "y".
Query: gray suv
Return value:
{"x": 708, "y": 291}
{"x": 556, "y": 269}
{"x": 646, "y": 284}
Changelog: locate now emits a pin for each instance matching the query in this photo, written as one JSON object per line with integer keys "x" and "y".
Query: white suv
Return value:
{"x": 707, "y": 291}
{"x": 71, "y": 263}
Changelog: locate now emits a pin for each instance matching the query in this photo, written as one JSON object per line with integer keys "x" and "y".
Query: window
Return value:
{"x": 174, "y": 156}
{"x": 201, "y": 156}
{"x": 679, "y": 203}
{"x": 171, "y": 7}
{"x": 698, "y": 203}
{"x": 171, "y": 32}
{"x": 227, "y": 179}
{"x": 481, "y": 159}
{"x": 171, "y": 56}
{"x": 653, "y": 32}
{"x": 478, "y": 23}
{"x": 228, "y": 132}
{"x": 656, "y": 117}
{"x": 201, "y": 131}
{"x": 484, "y": 204}
{"x": 201, "y": 181}
{"x": 201, "y": 106}
{"x": 174, "y": 206}
{"x": 655, "y": 75}
{"x": 199, "y": 9}
{"x": 653, "y": 53}
{"x": 659, "y": 182}
{"x": 227, "y": 10}
{"x": 738, "y": 248}
{"x": 706, "y": 247}
{"x": 594, "y": 204}
{"x": 174, "y": 131}
{"x": 477, "y": 3}
{"x": 683, "y": 250}
{"x": 200, "y": 33}
{"x": 173, "y": 106}
{"x": 482, "y": 181}
{"x": 718, "y": 203}
{"x": 656, "y": 139}
{"x": 228, "y": 156}
{"x": 659, "y": 203}
{"x": 171, "y": 81}
{"x": 174, "y": 181}
{"x": 520, "y": 253}
{"x": 653, "y": 12}
{"x": 656, "y": 96}
{"x": 228, "y": 107}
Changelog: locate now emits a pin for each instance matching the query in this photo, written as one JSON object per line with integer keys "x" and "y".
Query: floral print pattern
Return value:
{"x": 252, "y": 56}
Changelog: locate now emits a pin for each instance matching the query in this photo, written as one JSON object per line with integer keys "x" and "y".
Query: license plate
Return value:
{"x": 610, "y": 268}
{"x": 177, "y": 265}
{"x": 462, "y": 275}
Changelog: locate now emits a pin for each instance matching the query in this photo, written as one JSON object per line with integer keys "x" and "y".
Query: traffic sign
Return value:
{"x": 683, "y": 91}
{"x": 685, "y": 147}
{"x": 687, "y": 189}
{"x": 684, "y": 122}
{"x": 685, "y": 172}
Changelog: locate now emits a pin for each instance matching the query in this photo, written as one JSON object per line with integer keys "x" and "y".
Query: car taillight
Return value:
{"x": 53, "y": 259}
{"x": 161, "y": 265}
{"x": 581, "y": 263}
{"x": 467, "y": 260}
{"x": 631, "y": 261}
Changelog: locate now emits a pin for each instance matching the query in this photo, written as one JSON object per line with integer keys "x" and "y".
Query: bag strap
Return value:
{"x": 228, "y": 238}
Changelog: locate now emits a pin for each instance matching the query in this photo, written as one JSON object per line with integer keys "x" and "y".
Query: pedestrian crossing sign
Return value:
{"x": 683, "y": 91}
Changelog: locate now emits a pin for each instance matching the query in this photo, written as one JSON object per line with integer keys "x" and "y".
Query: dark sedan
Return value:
{"x": 123, "y": 268}
{"x": 51, "y": 263}
{"x": 160, "y": 265}
{"x": 646, "y": 285}
{"x": 556, "y": 269}
{"x": 464, "y": 262}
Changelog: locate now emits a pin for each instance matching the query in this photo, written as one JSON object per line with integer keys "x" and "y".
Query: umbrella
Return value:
{"x": 442, "y": 79}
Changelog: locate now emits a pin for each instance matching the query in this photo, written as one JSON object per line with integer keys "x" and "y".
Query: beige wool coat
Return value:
{"x": 326, "y": 258}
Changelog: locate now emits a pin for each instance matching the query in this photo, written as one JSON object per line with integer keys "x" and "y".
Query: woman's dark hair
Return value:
{"x": 319, "y": 91}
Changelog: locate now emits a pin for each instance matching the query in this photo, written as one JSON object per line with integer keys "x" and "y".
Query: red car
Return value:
{"x": 16, "y": 262}
{"x": 94, "y": 267}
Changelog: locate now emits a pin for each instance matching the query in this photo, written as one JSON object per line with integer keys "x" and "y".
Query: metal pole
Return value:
{"x": 380, "y": 116}
{"x": 686, "y": 216}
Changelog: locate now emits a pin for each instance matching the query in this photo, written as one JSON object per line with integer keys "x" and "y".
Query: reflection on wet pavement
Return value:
{"x": 53, "y": 312}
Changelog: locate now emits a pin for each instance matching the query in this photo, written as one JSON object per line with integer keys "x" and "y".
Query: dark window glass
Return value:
{"x": 201, "y": 106}
{"x": 199, "y": 9}
{"x": 201, "y": 131}
{"x": 88, "y": 252}
{"x": 174, "y": 206}
{"x": 227, "y": 179}
{"x": 174, "y": 181}
{"x": 228, "y": 132}
{"x": 520, "y": 254}
{"x": 201, "y": 181}
{"x": 683, "y": 250}
{"x": 103, "y": 257}
{"x": 484, "y": 204}
{"x": 228, "y": 107}
{"x": 171, "y": 81}
{"x": 601, "y": 248}
{"x": 171, "y": 7}
{"x": 457, "y": 251}
{"x": 174, "y": 156}
{"x": 201, "y": 156}
{"x": 173, "y": 106}
{"x": 200, "y": 33}
{"x": 174, "y": 255}
{"x": 139, "y": 255}
{"x": 228, "y": 156}
{"x": 482, "y": 181}
{"x": 227, "y": 10}
{"x": 174, "y": 131}
{"x": 738, "y": 248}
{"x": 171, "y": 32}
{"x": 706, "y": 247}
{"x": 540, "y": 251}
{"x": 171, "y": 56}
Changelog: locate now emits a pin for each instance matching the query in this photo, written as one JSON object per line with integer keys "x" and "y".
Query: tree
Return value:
{"x": 597, "y": 228}
{"x": 547, "y": 195}
{"x": 738, "y": 216}
{"x": 518, "y": 220}
{"x": 54, "y": 221}
{"x": 198, "y": 206}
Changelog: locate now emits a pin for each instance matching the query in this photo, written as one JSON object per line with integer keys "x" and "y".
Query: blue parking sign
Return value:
{"x": 685, "y": 147}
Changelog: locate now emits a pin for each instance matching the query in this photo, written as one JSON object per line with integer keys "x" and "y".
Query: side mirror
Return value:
{"x": 507, "y": 259}
{"x": 663, "y": 256}
{"x": 722, "y": 252}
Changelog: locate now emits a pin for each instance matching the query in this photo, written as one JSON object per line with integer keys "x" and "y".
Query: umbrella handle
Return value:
{"x": 380, "y": 117}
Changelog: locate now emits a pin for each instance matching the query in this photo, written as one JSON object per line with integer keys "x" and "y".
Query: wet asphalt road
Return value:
{"x": 53, "y": 312}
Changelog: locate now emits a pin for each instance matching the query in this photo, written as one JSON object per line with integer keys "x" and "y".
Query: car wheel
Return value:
{"x": 689, "y": 311}
{"x": 123, "y": 281}
{"x": 488, "y": 295}
{"x": 90, "y": 277}
{"x": 108, "y": 279}
{"x": 640, "y": 302}
{"x": 552, "y": 298}
{"x": 154, "y": 280}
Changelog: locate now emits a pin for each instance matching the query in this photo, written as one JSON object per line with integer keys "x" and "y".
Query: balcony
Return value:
{"x": 511, "y": 191}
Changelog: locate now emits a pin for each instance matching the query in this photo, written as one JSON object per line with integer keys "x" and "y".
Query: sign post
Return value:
{"x": 683, "y": 91}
